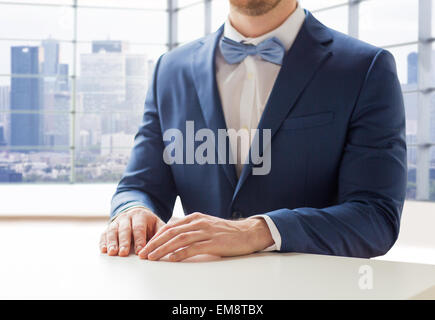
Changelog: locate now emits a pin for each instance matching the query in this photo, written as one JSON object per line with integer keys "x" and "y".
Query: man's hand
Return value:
{"x": 202, "y": 234}
{"x": 137, "y": 223}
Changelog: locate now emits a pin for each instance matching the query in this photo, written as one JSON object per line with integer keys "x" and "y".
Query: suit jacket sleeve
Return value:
{"x": 372, "y": 178}
{"x": 147, "y": 180}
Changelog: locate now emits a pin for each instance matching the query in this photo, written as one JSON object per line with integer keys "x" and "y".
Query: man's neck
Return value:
{"x": 256, "y": 26}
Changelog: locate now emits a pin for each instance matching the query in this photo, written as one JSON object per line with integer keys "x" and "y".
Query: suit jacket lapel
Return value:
{"x": 304, "y": 58}
{"x": 204, "y": 72}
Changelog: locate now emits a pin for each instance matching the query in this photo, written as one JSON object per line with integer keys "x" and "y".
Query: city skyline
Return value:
{"x": 109, "y": 101}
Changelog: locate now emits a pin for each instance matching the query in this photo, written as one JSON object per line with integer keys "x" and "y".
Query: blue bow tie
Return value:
{"x": 271, "y": 50}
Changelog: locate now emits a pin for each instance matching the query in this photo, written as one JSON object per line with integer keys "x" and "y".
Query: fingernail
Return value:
{"x": 138, "y": 248}
{"x": 122, "y": 249}
{"x": 152, "y": 256}
{"x": 112, "y": 248}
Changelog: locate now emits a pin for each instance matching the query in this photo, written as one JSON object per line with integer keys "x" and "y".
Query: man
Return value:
{"x": 335, "y": 115}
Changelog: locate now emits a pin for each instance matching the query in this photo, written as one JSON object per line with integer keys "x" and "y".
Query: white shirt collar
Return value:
{"x": 286, "y": 32}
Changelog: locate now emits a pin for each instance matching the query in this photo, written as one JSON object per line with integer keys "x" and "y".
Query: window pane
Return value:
{"x": 50, "y": 57}
{"x": 100, "y": 51}
{"x": 34, "y": 111}
{"x": 319, "y": 4}
{"x": 104, "y": 144}
{"x": 432, "y": 175}
{"x": 219, "y": 11}
{"x": 411, "y": 110}
{"x": 36, "y": 94}
{"x": 114, "y": 80}
{"x": 36, "y": 22}
{"x": 415, "y": 129}
{"x": 406, "y": 61}
{"x": 34, "y": 165}
{"x": 96, "y": 166}
{"x": 100, "y": 131}
{"x": 411, "y": 188}
{"x": 143, "y": 4}
{"x": 431, "y": 67}
{"x": 433, "y": 17}
{"x": 188, "y": 31}
{"x": 336, "y": 18}
{"x": 127, "y": 25}
{"x": 388, "y": 21}
{"x": 21, "y": 130}
{"x": 184, "y": 3}
{"x": 431, "y": 101}
{"x": 428, "y": 79}
{"x": 53, "y": 2}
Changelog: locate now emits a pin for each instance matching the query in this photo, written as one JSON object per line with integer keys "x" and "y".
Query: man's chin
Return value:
{"x": 254, "y": 7}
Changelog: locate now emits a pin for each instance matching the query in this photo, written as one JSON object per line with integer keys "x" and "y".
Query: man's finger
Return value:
{"x": 183, "y": 221}
{"x": 103, "y": 246}
{"x": 139, "y": 225}
{"x": 167, "y": 235}
{"x": 124, "y": 236}
{"x": 112, "y": 239}
{"x": 203, "y": 247}
{"x": 180, "y": 241}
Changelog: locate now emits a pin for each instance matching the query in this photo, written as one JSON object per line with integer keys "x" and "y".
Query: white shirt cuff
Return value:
{"x": 276, "y": 236}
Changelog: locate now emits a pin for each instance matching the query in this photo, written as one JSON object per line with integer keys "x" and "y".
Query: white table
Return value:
{"x": 60, "y": 260}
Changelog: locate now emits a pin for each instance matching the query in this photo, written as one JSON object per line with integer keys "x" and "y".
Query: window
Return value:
{"x": 73, "y": 79}
{"x": 73, "y": 74}
{"x": 219, "y": 13}
{"x": 399, "y": 26}
{"x": 333, "y": 14}
{"x": 191, "y": 20}
{"x": 407, "y": 32}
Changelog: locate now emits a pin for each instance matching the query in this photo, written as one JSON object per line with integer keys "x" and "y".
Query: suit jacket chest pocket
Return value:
{"x": 308, "y": 121}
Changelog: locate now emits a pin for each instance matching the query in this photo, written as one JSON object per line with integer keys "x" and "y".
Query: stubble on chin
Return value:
{"x": 254, "y": 7}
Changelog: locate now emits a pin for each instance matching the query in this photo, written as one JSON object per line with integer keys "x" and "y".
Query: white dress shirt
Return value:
{"x": 245, "y": 88}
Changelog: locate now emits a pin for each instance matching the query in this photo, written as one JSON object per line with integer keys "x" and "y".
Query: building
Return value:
{"x": 411, "y": 99}
{"x": 56, "y": 96}
{"x": 136, "y": 72}
{"x": 63, "y": 78}
{"x": 113, "y": 85}
{"x": 102, "y": 81}
{"x": 109, "y": 46}
{"x": 412, "y": 103}
{"x": 2, "y": 137}
{"x": 8, "y": 175}
{"x": 51, "y": 50}
{"x": 26, "y": 127}
{"x": 413, "y": 67}
{"x": 117, "y": 144}
{"x": 5, "y": 112}
{"x": 56, "y": 124}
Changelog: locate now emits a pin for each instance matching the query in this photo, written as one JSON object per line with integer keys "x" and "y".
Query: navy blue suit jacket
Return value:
{"x": 338, "y": 176}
